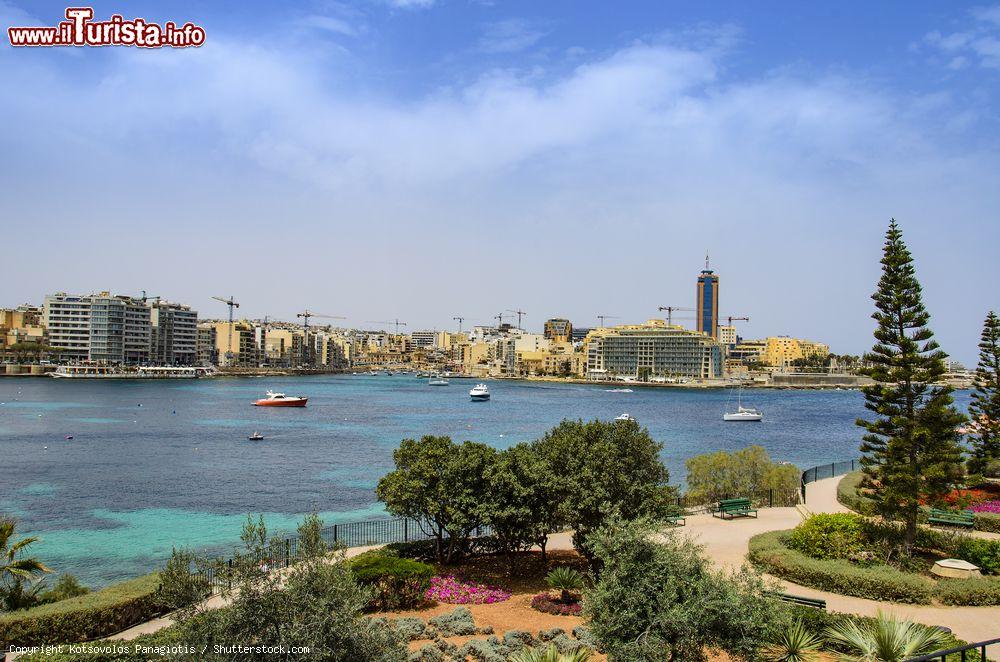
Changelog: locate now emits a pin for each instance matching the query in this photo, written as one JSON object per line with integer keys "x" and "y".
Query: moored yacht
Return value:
{"x": 748, "y": 414}
{"x": 625, "y": 417}
{"x": 280, "y": 400}
{"x": 480, "y": 392}
{"x": 437, "y": 380}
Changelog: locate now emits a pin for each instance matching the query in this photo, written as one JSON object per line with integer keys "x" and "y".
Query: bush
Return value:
{"x": 769, "y": 552}
{"x": 410, "y": 628}
{"x": 982, "y": 553}
{"x": 748, "y": 472}
{"x": 544, "y": 602}
{"x": 979, "y": 591}
{"x": 396, "y": 583}
{"x": 86, "y": 617}
{"x": 455, "y": 623}
{"x": 986, "y": 522}
{"x": 829, "y": 536}
{"x": 67, "y": 586}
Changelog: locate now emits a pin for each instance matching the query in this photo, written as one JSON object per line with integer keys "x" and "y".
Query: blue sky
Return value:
{"x": 423, "y": 159}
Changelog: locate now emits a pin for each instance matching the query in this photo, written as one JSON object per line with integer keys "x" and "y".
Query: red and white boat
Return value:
{"x": 280, "y": 400}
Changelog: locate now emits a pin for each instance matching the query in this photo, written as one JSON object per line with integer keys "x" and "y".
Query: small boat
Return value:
{"x": 437, "y": 380}
{"x": 256, "y": 436}
{"x": 480, "y": 392}
{"x": 748, "y": 414}
{"x": 618, "y": 390}
{"x": 280, "y": 400}
{"x": 625, "y": 417}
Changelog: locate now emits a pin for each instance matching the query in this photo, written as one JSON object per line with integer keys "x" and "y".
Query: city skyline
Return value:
{"x": 423, "y": 160}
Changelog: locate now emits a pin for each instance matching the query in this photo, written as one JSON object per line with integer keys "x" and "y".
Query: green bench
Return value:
{"x": 675, "y": 520}
{"x": 800, "y": 600}
{"x": 940, "y": 517}
{"x": 730, "y": 508}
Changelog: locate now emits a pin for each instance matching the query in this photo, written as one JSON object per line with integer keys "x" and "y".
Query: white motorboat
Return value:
{"x": 480, "y": 392}
{"x": 625, "y": 417}
{"x": 748, "y": 414}
{"x": 437, "y": 380}
{"x": 256, "y": 436}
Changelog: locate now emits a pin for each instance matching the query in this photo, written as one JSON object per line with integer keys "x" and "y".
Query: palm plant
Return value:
{"x": 550, "y": 654}
{"x": 887, "y": 639}
{"x": 796, "y": 644}
{"x": 12, "y": 568}
{"x": 565, "y": 579}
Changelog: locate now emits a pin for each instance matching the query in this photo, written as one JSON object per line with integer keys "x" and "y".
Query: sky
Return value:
{"x": 426, "y": 159}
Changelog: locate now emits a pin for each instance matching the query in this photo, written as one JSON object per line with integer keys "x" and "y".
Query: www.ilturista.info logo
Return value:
{"x": 80, "y": 30}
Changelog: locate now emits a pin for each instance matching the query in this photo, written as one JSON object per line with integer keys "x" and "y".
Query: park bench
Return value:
{"x": 940, "y": 517}
{"x": 730, "y": 508}
{"x": 676, "y": 520}
{"x": 800, "y": 600}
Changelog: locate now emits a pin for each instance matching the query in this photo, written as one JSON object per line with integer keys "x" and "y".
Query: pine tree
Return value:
{"x": 911, "y": 448}
{"x": 985, "y": 407}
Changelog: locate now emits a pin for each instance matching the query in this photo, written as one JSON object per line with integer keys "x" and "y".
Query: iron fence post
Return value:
{"x": 406, "y": 530}
{"x": 770, "y": 498}
{"x": 335, "y": 534}
{"x": 288, "y": 551}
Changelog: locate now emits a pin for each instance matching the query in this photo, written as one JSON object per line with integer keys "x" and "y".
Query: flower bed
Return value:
{"x": 987, "y": 507}
{"x": 453, "y": 591}
{"x": 546, "y": 603}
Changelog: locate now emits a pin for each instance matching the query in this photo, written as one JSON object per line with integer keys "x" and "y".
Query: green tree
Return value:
{"x": 604, "y": 468}
{"x": 310, "y": 532}
{"x": 14, "y": 567}
{"x": 748, "y": 472}
{"x": 911, "y": 448}
{"x": 442, "y": 486}
{"x": 658, "y": 599}
{"x": 521, "y": 503}
{"x": 985, "y": 407}
{"x": 181, "y": 587}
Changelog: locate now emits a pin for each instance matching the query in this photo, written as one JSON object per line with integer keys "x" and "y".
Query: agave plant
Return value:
{"x": 565, "y": 579}
{"x": 797, "y": 644}
{"x": 887, "y": 639}
{"x": 550, "y": 654}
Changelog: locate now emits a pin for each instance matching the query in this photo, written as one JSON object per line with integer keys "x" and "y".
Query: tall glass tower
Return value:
{"x": 708, "y": 301}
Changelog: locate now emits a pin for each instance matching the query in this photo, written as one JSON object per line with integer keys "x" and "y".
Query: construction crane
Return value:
{"x": 392, "y": 321}
{"x": 460, "y": 320}
{"x": 231, "y": 302}
{"x": 519, "y": 314}
{"x": 144, "y": 297}
{"x": 605, "y": 317}
{"x": 305, "y": 315}
{"x": 670, "y": 312}
{"x": 732, "y": 318}
{"x": 499, "y": 319}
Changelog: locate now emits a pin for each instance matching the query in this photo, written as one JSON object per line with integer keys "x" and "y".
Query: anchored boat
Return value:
{"x": 280, "y": 400}
{"x": 748, "y": 414}
{"x": 480, "y": 392}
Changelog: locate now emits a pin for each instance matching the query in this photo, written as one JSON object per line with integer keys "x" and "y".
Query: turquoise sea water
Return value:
{"x": 154, "y": 464}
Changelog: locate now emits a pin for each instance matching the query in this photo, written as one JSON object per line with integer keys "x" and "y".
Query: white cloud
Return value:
{"x": 411, "y": 4}
{"x": 509, "y": 36}
{"x": 980, "y": 43}
{"x": 330, "y": 24}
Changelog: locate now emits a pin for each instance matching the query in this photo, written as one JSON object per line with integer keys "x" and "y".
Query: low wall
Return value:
{"x": 819, "y": 380}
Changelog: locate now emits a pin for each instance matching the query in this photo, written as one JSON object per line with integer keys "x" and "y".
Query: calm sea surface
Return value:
{"x": 153, "y": 464}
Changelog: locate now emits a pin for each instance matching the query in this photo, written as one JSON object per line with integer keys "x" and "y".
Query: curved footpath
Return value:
{"x": 727, "y": 542}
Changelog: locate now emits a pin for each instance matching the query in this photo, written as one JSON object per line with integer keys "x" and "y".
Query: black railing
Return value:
{"x": 283, "y": 552}
{"x": 769, "y": 498}
{"x": 828, "y": 470}
{"x": 978, "y": 650}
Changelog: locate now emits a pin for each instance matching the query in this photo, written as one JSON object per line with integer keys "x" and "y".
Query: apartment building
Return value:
{"x": 651, "y": 350}
{"x": 173, "y": 334}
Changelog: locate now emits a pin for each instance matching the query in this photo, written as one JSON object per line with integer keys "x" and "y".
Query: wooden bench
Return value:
{"x": 675, "y": 520}
{"x": 801, "y": 600}
{"x": 940, "y": 517}
{"x": 730, "y": 508}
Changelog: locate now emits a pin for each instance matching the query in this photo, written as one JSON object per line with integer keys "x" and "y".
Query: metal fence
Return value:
{"x": 283, "y": 552}
{"x": 828, "y": 471}
{"x": 967, "y": 653}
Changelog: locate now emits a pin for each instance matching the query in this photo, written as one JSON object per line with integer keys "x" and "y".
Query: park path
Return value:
{"x": 727, "y": 545}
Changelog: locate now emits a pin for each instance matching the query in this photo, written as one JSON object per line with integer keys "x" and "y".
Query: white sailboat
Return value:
{"x": 437, "y": 380}
{"x": 742, "y": 413}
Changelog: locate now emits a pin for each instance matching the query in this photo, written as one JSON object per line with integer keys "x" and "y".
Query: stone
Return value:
{"x": 955, "y": 568}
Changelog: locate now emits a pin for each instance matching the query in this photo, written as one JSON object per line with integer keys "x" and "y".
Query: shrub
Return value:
{"x": 769, "y": 552}
{"x": 410, "y": 628}
{"x": 748, "y": 472}
{"x": 86, "y": 617}
{"x": 849, "y": 493}
{"x": 545, "y": 603}
{"x": 518, "y": 639}
{"x": 179, "y": 586}
{"x": 986, "y": 522}
{"x": 67, "y": 586}
{"x": 455, "y": 623}
{"x": 396, "y": 583}
{"x": 829, "y": 536}
{"x": 550, "y": 634}
{"x": 658, "y": 598}
{"x": 427, "y": 653}
{"x": 983, "y": 553}
{"x": 979, "y": 591}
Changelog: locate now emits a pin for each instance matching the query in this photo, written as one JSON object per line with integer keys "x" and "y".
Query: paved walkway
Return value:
{"x": 727, "y": 544}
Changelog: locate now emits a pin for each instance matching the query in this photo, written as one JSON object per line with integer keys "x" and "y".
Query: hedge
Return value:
{"x": 92, "y": 616}
{"x": 986, "y": 522}
{"x": 397, "y": 583}
{"x": 768, "y": 552}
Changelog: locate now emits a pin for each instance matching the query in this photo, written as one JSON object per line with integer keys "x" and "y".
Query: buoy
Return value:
{"x": 175, "y": 411}
{"x": 139, "y": 405}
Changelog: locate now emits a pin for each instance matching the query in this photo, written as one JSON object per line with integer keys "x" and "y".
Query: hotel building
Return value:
{"x": 651, "y": 350}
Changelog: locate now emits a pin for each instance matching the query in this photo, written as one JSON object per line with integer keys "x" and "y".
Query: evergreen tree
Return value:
{"x": 911, "y": 448}
{"x": 985, "y": 407}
